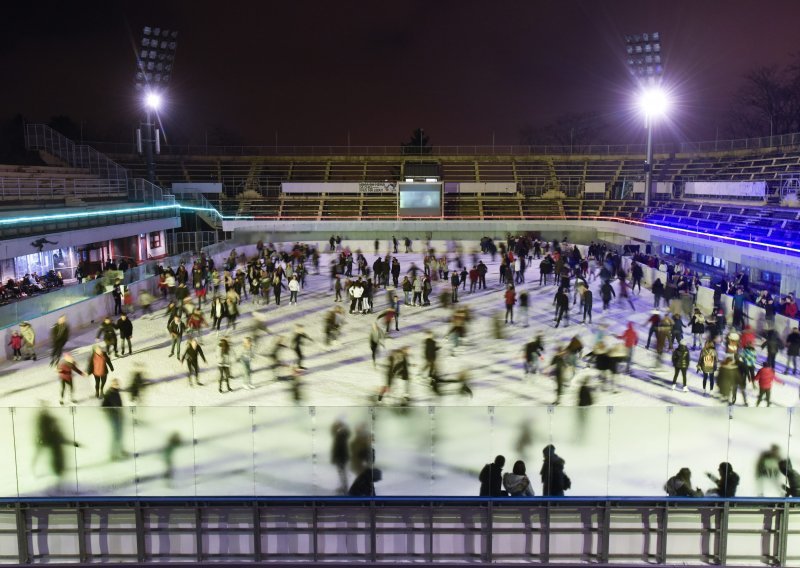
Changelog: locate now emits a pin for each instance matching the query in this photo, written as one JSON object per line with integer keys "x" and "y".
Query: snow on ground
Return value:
{"x": 628, "y": 444}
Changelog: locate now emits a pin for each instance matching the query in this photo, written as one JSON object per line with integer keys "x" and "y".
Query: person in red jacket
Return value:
{"x": 748, "y": 337}
{"x": 65, "y": 368}
{"x": 765, "y": 377}
{"x": 511, "y": 299}
{"x": 16, "y": 345}
{"x": 631, "y": 339}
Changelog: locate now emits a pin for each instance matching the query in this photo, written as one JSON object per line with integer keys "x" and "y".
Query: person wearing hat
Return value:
{"x": 680, "y": 361}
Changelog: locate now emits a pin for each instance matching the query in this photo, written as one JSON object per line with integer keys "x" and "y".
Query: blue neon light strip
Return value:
{"x": 213, "y": 211}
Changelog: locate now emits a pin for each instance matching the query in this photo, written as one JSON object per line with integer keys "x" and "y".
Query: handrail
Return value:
{"x": 55, "y": 187}
{"x": 42, "y": 137}
{"x": 758, "y": 143}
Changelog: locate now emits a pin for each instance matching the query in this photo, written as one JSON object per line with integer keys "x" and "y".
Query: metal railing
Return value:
{"x": 760, "y": 143}
{"x": 142, "y": 190}
{"x": 426, "y": 532}
{"x": 34, "y": 188}
{"x": 42, "y": 137}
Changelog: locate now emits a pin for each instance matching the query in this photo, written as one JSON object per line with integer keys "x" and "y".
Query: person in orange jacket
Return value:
{"x": 631, "y": 340}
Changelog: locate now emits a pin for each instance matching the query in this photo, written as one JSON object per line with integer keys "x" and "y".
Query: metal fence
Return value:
{"x": 142, "y": 190}
{"x": 443, "y": 532}
{"x": 42, "y": 137}
{"x": 766, "y": 142}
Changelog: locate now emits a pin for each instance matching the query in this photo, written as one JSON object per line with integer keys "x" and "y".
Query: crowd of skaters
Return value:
{"x": 201, "y": 296}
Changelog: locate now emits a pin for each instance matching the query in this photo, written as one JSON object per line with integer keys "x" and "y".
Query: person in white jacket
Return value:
{"x": 294, "y": 287}
{"x": 517, "y": 482}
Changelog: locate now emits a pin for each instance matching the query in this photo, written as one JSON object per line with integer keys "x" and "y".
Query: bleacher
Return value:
{"x": 26, "y": 185}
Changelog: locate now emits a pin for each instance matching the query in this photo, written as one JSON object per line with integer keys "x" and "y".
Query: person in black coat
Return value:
{"x": 340, "y": 452}
{"x": 554, "y": 480}
{"x": 125, "y": 327}
{"x": 562, "y": 306}
{"x": 364, "y": 484}
{"x": 112, "y": 402}
{"x": 491, "y": 478}
{"x": 191, "y": 354}
{"x": 727, "y": 482}
{"x": 108, "y": 331}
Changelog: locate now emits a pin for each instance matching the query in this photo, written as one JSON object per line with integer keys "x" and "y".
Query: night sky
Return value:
{"x": 312, "y": 71}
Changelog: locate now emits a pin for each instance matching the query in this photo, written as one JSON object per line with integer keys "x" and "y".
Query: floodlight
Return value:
{"x": 654, "y": 102}
{"x": 152, "y": 100}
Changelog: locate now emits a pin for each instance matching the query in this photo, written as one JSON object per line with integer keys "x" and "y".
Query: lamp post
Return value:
{"x": 653, "y": 102}
{"x": 152, "y": 102}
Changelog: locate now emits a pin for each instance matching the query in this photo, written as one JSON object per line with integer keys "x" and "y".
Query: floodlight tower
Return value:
{"x": 154, "y": 61}
{"x": 645, "y": 64}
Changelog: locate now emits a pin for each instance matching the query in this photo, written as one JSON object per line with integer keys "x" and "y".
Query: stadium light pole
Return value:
{"x": 155, "y": 57}
{"x": 654, "y": 103}
{"x": 152, "y": 102}
{"x": 643, "y": 56}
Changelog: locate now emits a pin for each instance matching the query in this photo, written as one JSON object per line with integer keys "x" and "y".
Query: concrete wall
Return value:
{"x": 88, "y": 313}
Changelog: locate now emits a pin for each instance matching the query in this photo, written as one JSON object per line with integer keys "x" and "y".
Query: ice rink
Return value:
{"x": 261, "y": 442}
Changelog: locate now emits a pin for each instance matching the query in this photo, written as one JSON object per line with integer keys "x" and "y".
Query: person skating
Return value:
{"x": 653, "y": 320}
{"x": 698, "y": 326}
{"x": 176, "y": 329}
{"x": 707, "y": 365}
{"x": 606, "y": 293}
{"x": 454, "y": 281}
{"x": 792, "y": 350}
{"x": 631, "y": 340}
{"x": 491, "y": 478}
{"x": 298, "y": 339}
{"x": 16, "y": 345}
{"x": 98, "y": 366}
{"x": 560, "y": 364}
{"x": 218, "y": 311}
{"x": 125, "y": 327}
{"x": 112, "y": 402}
{"x": 517, "y": 483}
{"x": 561, "y": 301}
{"x": 767, "y": 471}
{"x": 511, "y": 299}
{"x": 431, "y": 352}
{"x": 376, "y": 337}
{"x": 246, "y": 356}
{"x": 680, "y": 362}
{"x": 66, "y": 367}
{"x": 138, "y": 384}
{"x": 554, "y": 480}
{"x": 28, "y": 334}
{"x": 294, "y": 288}
{"x": 191, "y": 354}
{"x": 224, "y": 364}
{"x": 532, "y": 352}
{"x": 59, "y": 335}
{"x": 774, "y": 346}
{"x": 586, "y": 300}
{"x": 765, "y": 377}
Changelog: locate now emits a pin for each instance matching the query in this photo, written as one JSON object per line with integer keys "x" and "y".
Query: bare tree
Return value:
{"x": 768, "y": 102}
{"x": 575, "y": 130}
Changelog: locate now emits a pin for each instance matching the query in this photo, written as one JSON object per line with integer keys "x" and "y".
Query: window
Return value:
{"x": 711, "y": 261}
{"x": 667, "y": 249}
{"x": 774, "y": 277}
{"x": 155, "y": 240}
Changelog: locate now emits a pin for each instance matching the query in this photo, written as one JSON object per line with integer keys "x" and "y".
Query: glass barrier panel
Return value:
{"x": 164, "y": 445}
{"x": 403, "y": 450}
{"x": 759, "y": 438}
{"x": 462, "y": 444}
{"x": 637, "y": 456}
{"x": 698, "y": 440}
{"x": 332, "y": 473}
{"x": 104, "y": 459}
{"x": 282, "y": 451}
{"x": 224, "y": 450}
{"x": 520, "y": 433}
{"x": 9, "y": 469}
{"x": 581, "y": 439}
{"x": 46, "y": 450}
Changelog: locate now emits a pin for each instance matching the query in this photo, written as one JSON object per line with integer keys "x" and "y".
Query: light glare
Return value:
{"x": 654, "y": 102}
{"x": 152, "y": 100}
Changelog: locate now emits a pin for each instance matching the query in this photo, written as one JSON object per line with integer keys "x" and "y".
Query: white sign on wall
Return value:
{"x": 196, "y": 188}
{"x": 594, "y": 187}
{"x": 727, "y": 188}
